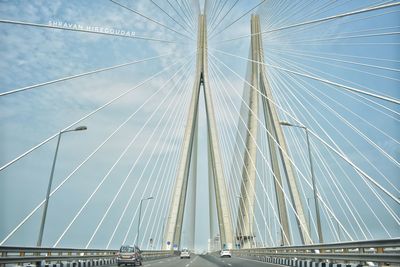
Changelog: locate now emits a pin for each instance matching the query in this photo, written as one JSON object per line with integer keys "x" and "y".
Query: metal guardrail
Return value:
{"x": 34, "y": 255}
{"x": 379, "y": 251}
{"x": 157, "y": 254}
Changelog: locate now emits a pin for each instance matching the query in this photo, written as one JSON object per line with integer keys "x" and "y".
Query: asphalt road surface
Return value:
{"x": 206, "y": 261}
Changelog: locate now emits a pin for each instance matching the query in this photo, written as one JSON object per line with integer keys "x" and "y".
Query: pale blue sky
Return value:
{"x": 32, "y": 55}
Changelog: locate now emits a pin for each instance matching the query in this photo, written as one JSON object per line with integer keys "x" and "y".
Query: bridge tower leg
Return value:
{"x": 245, "y": 218}
{"x": 173, "y": 229}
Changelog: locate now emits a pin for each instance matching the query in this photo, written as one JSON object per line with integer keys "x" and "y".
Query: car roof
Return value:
{"x": 130, "y": 246}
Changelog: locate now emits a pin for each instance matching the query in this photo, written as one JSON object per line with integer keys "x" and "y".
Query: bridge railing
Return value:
{"x": 69, "y": 257}
{"x": 360, "y": 252}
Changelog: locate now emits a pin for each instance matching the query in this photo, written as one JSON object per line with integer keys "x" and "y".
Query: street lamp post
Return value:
{"x": 162, "y": 233}
{"x": 46, "y": 203}
{"x": 338, "y": 229}
{"x": 319, "y": 229}
{"x": 140, "y": 214}
{"x": 309, "y": 214}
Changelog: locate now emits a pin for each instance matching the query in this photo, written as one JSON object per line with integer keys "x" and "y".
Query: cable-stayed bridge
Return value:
{"x": 267, "y": 128}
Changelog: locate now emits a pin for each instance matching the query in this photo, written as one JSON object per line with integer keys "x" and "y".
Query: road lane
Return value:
{"x": 194, "y": 261}
{"x": 237, "y": 262}
{"x": 207, "y": 261}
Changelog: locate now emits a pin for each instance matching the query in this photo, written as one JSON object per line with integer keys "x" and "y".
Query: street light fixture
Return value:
{"x": 319, "y": 229}
{"x": 140, "y": 215}
{"x": 46, "y": 203}
{"x": 80, "y": 128}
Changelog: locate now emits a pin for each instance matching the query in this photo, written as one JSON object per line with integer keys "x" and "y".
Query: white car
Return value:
{"x": 185, "y": 254}
{"x": 225, "y": 253}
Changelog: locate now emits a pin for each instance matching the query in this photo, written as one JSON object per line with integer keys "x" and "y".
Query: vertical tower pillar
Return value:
{"x": 191, "y": 227}
{"x": 175, "y": 219}
{"x": 277, "y": 146}
{"x": 244, "y": 226}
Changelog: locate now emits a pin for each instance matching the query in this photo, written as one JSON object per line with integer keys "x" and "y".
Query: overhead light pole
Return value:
{"x": 46, "y": 203}
{"x": 309, "y": 214}
{"x": 319, "y": 229}
{"x": 140, "y": 215}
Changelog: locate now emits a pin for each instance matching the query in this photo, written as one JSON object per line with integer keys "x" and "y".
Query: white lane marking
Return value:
{"x": 195, "y": 258}
{"x": 229, "y": 264}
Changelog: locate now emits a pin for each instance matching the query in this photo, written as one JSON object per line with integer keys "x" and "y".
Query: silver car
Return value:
{"x": 225, "y": 254}
{"x": 129, "y": 255}
{"x": 185, "y": 254}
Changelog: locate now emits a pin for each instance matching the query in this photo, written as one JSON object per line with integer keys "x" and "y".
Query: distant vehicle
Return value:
{"x": 129, "y": 255}
{"x": 185, "y": 254}
{"x": 225, "y": 254}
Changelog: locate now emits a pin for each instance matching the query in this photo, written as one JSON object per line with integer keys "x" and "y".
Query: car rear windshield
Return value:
{"x": 126, "y": 249}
